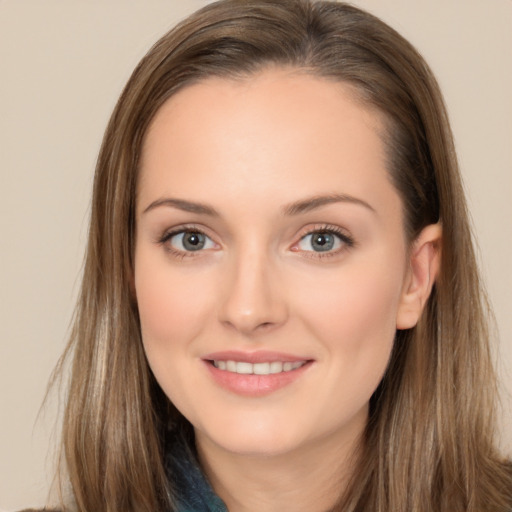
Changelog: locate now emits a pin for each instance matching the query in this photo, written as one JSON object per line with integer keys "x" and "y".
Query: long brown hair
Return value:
{"x": 429, "y": 443}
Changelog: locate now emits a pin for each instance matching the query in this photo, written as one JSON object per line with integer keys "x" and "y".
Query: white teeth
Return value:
{"x": 261, "y": 368}
{"x": 276, "y": 367}
{"x": 245, "y": 368}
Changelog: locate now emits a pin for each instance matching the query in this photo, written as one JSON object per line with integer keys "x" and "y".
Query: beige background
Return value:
{"x": 63, "y": 64}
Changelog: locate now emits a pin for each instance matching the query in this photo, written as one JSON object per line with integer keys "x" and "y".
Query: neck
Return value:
{"x": 311, "y": 478}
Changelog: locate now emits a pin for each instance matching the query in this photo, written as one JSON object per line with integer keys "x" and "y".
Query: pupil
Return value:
{"x": 322, "y": 242}
{"x": 193, "y": 241}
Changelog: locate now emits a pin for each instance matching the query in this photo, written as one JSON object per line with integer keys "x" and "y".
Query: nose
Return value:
{"x": 254, "y": 300}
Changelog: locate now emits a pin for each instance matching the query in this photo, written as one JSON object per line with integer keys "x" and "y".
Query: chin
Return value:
{"x": 251, "y": 438}
{"x": 264, "y": 446}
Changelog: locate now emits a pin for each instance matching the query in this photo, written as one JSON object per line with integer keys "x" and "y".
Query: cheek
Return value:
{"x": 170, "y": 305}
{"x": 171, "y": 309}
{"x": 354, "y": 313}
{"x": 367, "y": 295}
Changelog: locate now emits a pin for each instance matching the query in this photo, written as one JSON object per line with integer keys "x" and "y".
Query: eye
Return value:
{"x": 324, "y": 241}
{"x": 188, "y": 241}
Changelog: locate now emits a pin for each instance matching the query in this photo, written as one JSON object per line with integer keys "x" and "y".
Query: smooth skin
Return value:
{"x": 267, "y": 220}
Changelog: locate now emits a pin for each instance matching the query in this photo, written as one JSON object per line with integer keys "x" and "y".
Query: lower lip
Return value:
{"x": 255, "y": 385}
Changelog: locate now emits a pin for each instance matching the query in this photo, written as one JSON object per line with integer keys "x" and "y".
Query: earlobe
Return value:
{"x": 424, "y": 263}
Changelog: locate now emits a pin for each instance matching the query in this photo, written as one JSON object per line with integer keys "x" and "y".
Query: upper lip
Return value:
{"x": 261, "y": 356}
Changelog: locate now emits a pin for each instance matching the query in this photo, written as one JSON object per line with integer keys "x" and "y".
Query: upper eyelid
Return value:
{"x": 327, "y": 228}
{"x": 170, "y": 232}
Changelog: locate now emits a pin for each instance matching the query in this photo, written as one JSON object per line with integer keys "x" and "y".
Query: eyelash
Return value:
{"x": 168, "y": 235}
{"x": 346, "y": 240}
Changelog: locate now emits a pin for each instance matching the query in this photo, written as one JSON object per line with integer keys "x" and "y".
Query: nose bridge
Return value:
{"x": 253, "y": 297}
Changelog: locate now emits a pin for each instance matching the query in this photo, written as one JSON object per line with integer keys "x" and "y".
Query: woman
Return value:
{"x": 280, "y": 306}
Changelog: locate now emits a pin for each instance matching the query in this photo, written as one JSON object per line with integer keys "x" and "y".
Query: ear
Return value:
{"x": 424, "y": 263}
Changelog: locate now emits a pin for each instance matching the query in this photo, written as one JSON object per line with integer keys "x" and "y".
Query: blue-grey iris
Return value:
{"x": 322, "y": 242}
{"x": 193, "y": 241}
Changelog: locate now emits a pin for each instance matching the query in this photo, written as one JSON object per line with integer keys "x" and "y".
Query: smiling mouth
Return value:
{"x": 264, "y": 368}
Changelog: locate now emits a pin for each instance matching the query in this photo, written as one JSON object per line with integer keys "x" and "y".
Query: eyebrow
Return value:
{"x": 314, "y": 202}
{"x": 296, "y": 208}
{"x": 182, "y": 204}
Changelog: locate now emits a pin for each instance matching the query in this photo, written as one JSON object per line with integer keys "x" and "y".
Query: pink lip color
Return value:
{"x": 254, "y": 385}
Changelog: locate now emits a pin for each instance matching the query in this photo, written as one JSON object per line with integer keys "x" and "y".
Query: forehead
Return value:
{"x": 275, "y": 92}
{"x": 277, "y": 127}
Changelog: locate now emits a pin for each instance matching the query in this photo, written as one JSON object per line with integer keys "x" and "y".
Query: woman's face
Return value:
{"x": 270, "y": 260}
